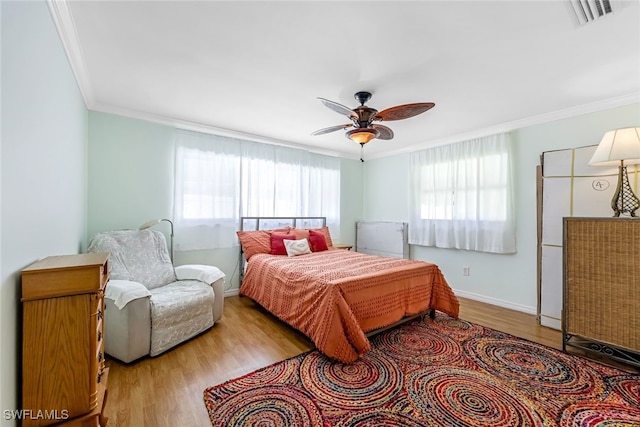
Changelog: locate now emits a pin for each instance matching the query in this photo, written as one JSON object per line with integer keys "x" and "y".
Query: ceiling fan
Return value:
{"x": 363, "y": 118}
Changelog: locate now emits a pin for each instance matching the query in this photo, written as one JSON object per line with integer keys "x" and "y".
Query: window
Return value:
{"x": 484, "y": 197}
{"x": 209, "y": 184}
{"x": 461, "y": 196}
{"x": 220, "y": 179}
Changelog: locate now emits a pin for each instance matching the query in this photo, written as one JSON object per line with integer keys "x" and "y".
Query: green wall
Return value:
{"x": 506, "y": 280}
{"x": 131, "y": 181}
{"x": 130, "y": 171}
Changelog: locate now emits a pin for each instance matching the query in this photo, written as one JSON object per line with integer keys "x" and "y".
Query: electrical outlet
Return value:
{"x": 466, "y": 271}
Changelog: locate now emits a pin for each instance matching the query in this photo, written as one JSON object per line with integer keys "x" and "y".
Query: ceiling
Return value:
{"x": 255, "y": 69}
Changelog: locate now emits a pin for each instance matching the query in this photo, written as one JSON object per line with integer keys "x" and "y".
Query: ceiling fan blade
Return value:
{"x": 384, "y": 132}
{"x": 339, "y": 108}
{"x": 405, "y": 111}
{"x": 332, "y": 129}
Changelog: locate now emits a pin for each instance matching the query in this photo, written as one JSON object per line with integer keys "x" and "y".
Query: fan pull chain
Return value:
{"x": 362, "y": 152}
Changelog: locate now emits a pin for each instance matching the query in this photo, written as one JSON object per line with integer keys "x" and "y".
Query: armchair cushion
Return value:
{"x": 179, "y": 311}
{"x": 123, "y": 292}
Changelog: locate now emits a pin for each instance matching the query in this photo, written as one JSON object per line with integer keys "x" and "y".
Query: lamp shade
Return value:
{"x": 618, "y": 145}
{"x": 150, "y": 224}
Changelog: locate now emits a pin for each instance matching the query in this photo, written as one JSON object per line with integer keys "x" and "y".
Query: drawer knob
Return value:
{"x": 100, "y": 357}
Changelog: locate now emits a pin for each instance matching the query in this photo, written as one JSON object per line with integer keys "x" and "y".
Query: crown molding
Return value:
{"x": 566, "y": 113}
{"x": 66, "y": 27}
{"x": 500, "y": 128}
{"x": 213, "y": 130}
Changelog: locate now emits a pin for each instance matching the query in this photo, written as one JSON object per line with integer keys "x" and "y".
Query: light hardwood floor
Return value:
{"x": 168, "y": 390}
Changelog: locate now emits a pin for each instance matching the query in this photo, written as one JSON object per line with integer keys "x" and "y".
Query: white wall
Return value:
{"x": 131, "y": 181}
{"x": 43, "y": 176}
{"x": 506, "y": 280}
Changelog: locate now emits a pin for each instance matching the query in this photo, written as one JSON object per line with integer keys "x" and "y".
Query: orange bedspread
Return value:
{"x": 335, "y": 296}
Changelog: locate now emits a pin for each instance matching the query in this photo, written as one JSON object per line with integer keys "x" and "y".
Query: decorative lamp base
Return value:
{"x": 624, "y": 201}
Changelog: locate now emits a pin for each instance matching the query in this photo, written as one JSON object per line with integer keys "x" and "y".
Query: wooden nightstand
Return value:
{"x": 341, "y": 246}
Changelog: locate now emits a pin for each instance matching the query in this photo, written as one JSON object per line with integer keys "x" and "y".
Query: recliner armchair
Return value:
{"x": 150, "y": 306}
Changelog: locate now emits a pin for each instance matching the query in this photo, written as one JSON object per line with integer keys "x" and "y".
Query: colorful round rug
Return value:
{"x": 441, "y": 372}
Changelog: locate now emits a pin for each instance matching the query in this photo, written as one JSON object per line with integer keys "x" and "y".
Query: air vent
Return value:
{"x": 585, "y": 11}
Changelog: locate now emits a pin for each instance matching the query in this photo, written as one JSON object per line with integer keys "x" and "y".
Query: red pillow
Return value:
{"x": 277, "y": 243}
{"x": 318, "y": 241}
{"x": 302, "y": 233}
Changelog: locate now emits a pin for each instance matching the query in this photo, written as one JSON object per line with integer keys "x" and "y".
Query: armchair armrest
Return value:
{"x": 204, "y": 273}
{"x": 123, "y": 292}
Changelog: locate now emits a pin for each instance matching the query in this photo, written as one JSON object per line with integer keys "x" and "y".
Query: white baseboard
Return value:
{"x": 495, "y": 301}
{"x": 231, "y": 292}
{"x": 551, "y": 322}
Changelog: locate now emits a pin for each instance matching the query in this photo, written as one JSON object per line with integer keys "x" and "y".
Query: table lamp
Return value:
{"x": 620, "y": 147}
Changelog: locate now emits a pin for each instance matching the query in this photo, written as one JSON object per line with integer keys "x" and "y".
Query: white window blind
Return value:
{"x": 461, "y": 196}
{"x": 220, "y": 179}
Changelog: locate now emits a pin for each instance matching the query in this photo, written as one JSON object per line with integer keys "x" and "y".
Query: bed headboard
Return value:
{"x": 254, "y": 223}
{"x": 382, "y": 238}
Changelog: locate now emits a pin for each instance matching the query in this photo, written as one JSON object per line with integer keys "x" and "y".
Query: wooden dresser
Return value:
{"x": 64, "y": 379}
{"x": 602, "y": 287}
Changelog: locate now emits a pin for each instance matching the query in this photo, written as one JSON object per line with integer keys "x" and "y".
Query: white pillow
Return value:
{"x": 297, "y": 247}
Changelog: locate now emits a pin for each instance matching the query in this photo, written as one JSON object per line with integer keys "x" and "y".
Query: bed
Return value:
{"x": 335, "y": 296}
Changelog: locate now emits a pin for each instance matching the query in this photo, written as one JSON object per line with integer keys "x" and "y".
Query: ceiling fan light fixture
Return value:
{"x": 362, "y": 135}
{"x": 362, "y": 118}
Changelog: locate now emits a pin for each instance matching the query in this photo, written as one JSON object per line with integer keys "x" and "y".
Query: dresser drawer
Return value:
{"x": 100, "y": 356}
{"x": 82, "y": 273}
{"x": 97, "y": 344}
